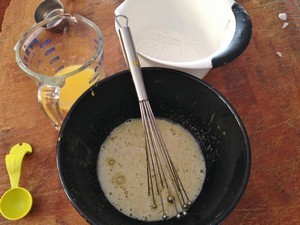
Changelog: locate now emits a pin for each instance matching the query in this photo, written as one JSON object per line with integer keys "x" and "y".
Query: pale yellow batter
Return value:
{"x": 122, "y": 170}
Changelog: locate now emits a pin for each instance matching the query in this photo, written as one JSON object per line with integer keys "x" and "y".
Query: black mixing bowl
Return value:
{"x": 174, "y": 95}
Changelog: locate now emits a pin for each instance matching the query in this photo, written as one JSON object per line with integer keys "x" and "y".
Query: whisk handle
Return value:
{"x": 133, "y": 62}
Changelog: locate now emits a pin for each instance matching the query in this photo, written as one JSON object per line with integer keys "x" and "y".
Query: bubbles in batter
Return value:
{"x": 122, "y": 172}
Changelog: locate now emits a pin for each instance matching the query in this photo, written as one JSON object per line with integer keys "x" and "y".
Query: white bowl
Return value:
{"x": 192, "y": 36}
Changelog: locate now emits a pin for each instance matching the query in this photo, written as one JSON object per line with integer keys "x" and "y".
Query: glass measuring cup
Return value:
{"x": 64, "y": 56}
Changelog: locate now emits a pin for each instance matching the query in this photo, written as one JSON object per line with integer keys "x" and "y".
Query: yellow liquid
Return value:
{"x": 74, "y": 85}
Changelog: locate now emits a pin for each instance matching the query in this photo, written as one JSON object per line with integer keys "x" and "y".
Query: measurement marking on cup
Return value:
{"x": 54, "y": 59}
{"x": 96, "y": 68}
{"x": 52, "y": 49}
{"x": 27, "y": 52}
{"x": 44, "y": 43}
{"x": 96, "y": 41}
{"x": 35, "y": 41}
{"x": 59, "y": 68}
{"x": 94, "y": 77}
{"x": 30, "y": 46}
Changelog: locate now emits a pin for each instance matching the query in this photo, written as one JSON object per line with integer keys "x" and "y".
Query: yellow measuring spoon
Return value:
{"x": 17, "y": 201}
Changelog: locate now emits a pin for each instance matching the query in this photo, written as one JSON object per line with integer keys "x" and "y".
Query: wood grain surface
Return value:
{"x": 263, "y": 84}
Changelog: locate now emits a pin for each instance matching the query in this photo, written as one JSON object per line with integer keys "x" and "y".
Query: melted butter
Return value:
{"x": 122, "y": 173}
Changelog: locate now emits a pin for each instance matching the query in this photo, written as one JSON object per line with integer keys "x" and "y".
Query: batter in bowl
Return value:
{"x": 122, "y": 171}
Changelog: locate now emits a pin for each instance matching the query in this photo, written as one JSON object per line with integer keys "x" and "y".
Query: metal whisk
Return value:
{"x": 164, "y": 184}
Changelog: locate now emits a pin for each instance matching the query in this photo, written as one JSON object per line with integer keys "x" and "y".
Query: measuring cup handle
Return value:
{"x": 48, "y": 97}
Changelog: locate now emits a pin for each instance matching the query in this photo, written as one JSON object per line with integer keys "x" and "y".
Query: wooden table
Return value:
{"x": 263, "y": 84}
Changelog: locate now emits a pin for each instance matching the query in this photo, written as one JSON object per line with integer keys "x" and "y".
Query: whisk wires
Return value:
{"x": 163, "y": 180}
